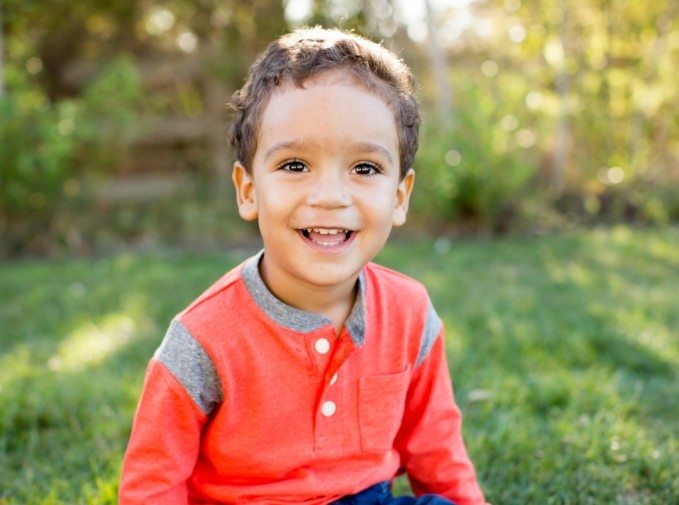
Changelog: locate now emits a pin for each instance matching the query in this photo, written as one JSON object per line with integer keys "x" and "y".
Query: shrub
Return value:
{"x": 47, "y": 149}
{"x": 472, "y": 172}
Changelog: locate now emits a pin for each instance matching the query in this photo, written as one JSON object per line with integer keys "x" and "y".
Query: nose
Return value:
{"x": 329, "y": 190}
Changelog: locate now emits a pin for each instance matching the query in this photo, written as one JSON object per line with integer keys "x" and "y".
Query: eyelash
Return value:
{"x": 286, "y": 166}
{"x": 373, "y": 166}
{"x": 376, "y": 168}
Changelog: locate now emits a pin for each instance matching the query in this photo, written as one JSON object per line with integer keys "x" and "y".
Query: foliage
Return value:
{"x": 599, "y": 95}
{"x": 563, "y": 350}
{"x": 576, "y": 101}
{"x": 473, "y": 172}
{"x": 49, "y": 150}
{"x": 35, "y": 162}
{"x": 65, "y": 60}
{"x": 561, "y": 113}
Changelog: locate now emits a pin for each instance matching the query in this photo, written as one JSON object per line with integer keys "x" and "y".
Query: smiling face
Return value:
{"x": 324, "y": 183}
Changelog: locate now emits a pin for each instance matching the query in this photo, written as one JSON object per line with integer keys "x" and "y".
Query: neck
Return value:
{"x": 334, "y": 302}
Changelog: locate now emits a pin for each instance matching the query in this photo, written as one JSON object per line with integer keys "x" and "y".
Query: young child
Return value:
{"x": 308, "y": 374}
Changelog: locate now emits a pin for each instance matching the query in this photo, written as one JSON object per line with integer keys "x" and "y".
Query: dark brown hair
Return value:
{"x": 306, "y": 52}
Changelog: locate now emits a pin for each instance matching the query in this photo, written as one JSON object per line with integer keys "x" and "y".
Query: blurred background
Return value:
{"x": 551, "y": 126}
{"x": 539, "y": 115}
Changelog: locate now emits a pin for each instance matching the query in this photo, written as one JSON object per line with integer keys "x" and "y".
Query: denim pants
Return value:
{"x": 380, "y": 494}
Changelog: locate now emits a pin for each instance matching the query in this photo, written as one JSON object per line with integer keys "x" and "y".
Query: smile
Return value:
{"x": 327, "y": 239}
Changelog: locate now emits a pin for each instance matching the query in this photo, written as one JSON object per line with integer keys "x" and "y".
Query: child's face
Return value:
{"x": 324, "y": 183}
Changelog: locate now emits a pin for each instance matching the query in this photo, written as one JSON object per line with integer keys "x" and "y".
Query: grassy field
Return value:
{"x": 564, "y": 352}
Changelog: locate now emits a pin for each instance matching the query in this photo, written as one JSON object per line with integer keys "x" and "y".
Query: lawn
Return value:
{"x": 564, "y": 352}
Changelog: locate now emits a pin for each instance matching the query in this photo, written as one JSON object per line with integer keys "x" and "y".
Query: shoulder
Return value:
{"x": 224, "y": 286}
{"x": 194, "y": 346}
{"x": 405, "y": 301}
{"x": 209, "y": 319}
{"x": 189, "y": 362}
{"x": 396, "y": 285}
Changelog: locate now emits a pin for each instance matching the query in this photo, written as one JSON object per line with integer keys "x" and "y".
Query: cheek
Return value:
{"x": 271, "y": 203}
{"x": 380, "y": 204}
{"x": 381, "y": 220}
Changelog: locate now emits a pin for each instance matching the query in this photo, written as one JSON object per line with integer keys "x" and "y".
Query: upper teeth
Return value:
{"x": 326, "y": 231}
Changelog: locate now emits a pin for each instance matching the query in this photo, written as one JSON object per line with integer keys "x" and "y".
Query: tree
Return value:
{"x": 2, "y": 59}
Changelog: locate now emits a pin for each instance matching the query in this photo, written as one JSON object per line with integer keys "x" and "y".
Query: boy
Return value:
{"x": 307, "y": 374}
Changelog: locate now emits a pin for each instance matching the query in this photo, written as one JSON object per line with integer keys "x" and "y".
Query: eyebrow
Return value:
{"x": 305, "y": 144}
{"x": 290, "y": 144}
{"x": 371, "y": 147}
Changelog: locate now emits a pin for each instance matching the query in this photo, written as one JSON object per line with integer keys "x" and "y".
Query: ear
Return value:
{"x": 245, "y": 192}
{"x": 403, "y": 191}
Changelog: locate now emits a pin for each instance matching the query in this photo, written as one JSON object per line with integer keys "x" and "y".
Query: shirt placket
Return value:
{"x": 330, "y": 353}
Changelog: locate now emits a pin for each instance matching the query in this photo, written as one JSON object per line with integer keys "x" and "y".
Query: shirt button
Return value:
{"x": 334, "y": 379}
{"x": 328, "y": 408}
{"x": 322, "y": 346}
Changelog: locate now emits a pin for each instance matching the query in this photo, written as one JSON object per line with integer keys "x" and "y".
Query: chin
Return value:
{"x": 328, "y": 277}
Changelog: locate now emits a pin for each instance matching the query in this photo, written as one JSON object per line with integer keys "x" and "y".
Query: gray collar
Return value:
{"x": 297, "y": 319}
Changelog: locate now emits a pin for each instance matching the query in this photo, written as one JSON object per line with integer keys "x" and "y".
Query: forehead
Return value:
{"x": 331, "y": 107}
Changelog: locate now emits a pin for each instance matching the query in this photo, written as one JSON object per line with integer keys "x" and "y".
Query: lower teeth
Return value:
{"x": 346, "y": 236}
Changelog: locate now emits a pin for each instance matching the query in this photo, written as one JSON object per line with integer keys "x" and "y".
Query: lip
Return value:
{"x": 331, "y": 246}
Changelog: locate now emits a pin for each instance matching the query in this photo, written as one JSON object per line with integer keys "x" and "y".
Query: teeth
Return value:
{"x": 326, "y": 231}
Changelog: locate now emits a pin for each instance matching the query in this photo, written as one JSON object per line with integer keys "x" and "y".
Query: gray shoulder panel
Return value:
{"x": 186, "y": 359}
{"x": 432, "y": 327}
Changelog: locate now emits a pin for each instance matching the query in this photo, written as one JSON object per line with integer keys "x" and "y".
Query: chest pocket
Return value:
{"x": 381, "y": 404}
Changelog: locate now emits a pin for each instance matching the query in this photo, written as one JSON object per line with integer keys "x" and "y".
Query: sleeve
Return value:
{"x": 430, "y": 438}
{"x": 180, "y": 389}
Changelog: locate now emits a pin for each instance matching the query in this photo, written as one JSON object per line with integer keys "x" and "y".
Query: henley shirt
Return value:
{"x": 249, "y": 400}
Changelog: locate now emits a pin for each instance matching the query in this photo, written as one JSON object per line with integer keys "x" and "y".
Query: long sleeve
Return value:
{"x": 181, "y": 388}
{"x": 164, "y": 443}
{"x": 430, "y": 439}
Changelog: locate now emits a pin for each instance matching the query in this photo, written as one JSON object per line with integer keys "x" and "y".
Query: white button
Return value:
{"x": 333, "y": 380}
{"x": 322, "y": 346}
{"x": 328, "y": 408}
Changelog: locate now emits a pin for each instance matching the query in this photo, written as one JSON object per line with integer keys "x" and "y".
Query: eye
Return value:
{"x": 294, "y": 166}
{"x": 366, "y": 168}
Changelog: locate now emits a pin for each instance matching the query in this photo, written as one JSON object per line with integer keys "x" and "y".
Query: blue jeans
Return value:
{"x": 380, "y": 494}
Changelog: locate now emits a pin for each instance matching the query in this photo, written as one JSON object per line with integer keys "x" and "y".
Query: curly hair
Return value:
{"x": 305, "y": 52}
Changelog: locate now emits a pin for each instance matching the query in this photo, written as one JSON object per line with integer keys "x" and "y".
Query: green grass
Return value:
{"x": 564, "y": 352}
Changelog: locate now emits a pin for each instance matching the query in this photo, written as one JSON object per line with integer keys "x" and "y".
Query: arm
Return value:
{"x": 181, "y": 389}
{"x": 164, "y": 443}
{"x": 430, "y": 439}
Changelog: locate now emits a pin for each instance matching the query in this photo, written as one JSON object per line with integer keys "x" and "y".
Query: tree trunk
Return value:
{"x": 562, "y": 134}
{"x": 439, "y": 66}
{"x": 2, "y": 61}
{"x": 215, "y": 97}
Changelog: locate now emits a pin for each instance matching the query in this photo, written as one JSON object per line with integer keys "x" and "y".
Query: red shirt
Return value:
{"x": 249, "y": 400}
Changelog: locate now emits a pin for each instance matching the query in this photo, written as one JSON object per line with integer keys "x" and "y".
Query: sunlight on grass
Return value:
{"x": 93, "y": 342}
{"x": 654, "y": 336}
{"x": 15, "y": 365}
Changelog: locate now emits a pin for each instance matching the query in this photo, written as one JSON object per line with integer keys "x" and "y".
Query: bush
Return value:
{"x": 48, "y": 149}
{"x": 472, "y": 173}
{"x": 36, "y": 160}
